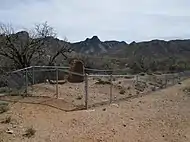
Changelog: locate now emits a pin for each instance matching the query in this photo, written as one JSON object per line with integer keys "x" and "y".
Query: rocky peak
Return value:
{"x": 95, "y": 39}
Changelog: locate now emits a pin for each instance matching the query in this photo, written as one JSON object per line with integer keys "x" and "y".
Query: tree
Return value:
{"x": 24, "y": 47}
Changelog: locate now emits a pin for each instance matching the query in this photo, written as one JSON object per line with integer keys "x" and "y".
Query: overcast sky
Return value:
{"x": 127, "y": 20}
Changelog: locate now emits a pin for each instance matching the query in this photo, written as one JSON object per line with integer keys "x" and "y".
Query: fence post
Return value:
{"x": 86, "y": 91}
{"x": 33, "y": 81}
{"x": 173, "y": 80}
{"x": 26, "y": 81}
{"x": 137, "y": 78}
{"x": 111, "y": 86}
{"x": 166, "y": 81}
{"x": 57, "y": 77}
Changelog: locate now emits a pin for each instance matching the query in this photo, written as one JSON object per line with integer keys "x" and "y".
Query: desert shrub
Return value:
{"x": 79, "y": 97}
{"x": 4, "y": 90}
{"x": 158, "y": 73}
{"x": 137, "y": 92}
{"x": 3, "y": 108}
{"x": 119, "y": 87}
{"x": 142, "y": 74}
{"x": 128, "y": 88}
{"x": 128, "y": 77}
{"x": 153, "y": 89}
{"x": 186, "y": 90}
{"x": 150, "y": 83}
{"x": 102, "y": 82}
{"x": 140, "y": 86}
{"x": 122, "y": 91}
{"x": 30, "y": 132}
{"x": 7, "y": 120}
{"x": 130, "y": 95}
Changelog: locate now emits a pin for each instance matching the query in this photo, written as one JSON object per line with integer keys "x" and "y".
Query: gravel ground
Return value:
{"x": 163, "y": 116}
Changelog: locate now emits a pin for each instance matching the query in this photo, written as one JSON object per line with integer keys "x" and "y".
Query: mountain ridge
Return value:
{"x": 94, "y": 46}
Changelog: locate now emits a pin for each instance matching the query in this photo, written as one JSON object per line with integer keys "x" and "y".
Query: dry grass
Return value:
{"x": 30, "y": 132}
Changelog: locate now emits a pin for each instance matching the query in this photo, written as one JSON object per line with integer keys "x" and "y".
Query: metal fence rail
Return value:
{"x": 99, "y": 86}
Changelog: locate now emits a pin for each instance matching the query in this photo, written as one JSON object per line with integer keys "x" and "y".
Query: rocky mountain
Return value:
{"x": 158, "y": 49}
{"x": 141, "y": 56}
{"x": 95, "y": 46}
{"x": 154, "y": 48}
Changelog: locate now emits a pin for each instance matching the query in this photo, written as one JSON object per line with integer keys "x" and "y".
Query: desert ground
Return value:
{"x": 160, "y": 116}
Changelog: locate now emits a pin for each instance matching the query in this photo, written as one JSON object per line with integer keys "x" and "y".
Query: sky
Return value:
{"x": 123, "y": 20}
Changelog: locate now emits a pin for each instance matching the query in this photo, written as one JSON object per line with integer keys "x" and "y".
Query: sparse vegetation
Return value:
{"x": 79, "y": 97}
{"x": 7, "y": 120}
{"x": 153, "y": 88}
{"x": 102, "y": 82}
{"x": 128, "y": 88}
{"x": 122, "y": 91}
{"x": 128, "y": 77}
{"x": 142, "y": 74}
{"x": 140, "y": 86}
{"x": 3, "y": 108}
{"x": 14, "y": 46}
{"x": 30, "y": 132}
{"x": 186, "y": 90}
{"x": 4, "y": 90}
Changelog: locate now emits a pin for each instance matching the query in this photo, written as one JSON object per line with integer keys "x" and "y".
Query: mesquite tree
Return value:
{"x": 26, "y": 46}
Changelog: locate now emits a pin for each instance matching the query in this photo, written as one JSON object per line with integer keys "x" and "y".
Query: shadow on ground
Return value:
{"x": 46, "y": 101}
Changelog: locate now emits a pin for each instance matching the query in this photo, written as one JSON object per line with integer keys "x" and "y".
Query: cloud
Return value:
{"x": 126, "y": 20}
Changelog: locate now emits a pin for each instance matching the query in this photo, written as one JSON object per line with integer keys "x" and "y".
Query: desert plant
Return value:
{"x": 128, "y": 77}
{"x": 186, "y": 90}
{"x": 137, "y": 92}
{"x": 103, "y": 82}
{"x": 122, "y": 91}
{"x": 7, "y": 120}
{"x": 128, "y": 88}
{"x": 30, "y": 132}
{"x": 3, "y": 108}
{"x": 23, "y": 50}
{"x": 153, "y": 88}
{"x": 4, "y": 90}
{"x": 79, "y": 97}
{"x": 142, "y": 74}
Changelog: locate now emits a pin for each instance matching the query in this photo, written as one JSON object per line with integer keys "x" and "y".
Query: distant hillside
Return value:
{"x": 160, "y": 54}
{"x": 95, "y": 46}
{"x": 158, "y": 48}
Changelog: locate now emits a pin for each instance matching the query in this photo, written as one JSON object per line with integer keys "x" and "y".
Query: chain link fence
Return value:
{"x": 99, "y": 86}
